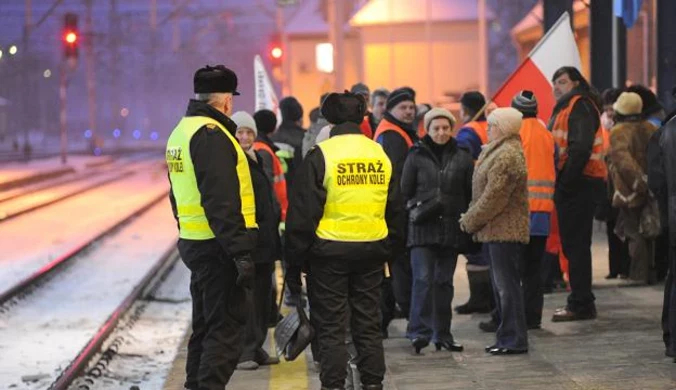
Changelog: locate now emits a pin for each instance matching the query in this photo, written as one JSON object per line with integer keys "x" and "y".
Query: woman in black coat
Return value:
{"x": 268, "y": 215}
{"x": 437, "y": 185}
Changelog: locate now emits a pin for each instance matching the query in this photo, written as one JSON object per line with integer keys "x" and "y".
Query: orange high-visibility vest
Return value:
{"x": 386, "y": 125}
{"x": 421, "y": 129}
{"x": 279, "y": 179}
{"x": 365, "y": 127}
{"x": 538, "y": 148}
{"x": 480, "y": 128}
{"x": 595, "y": 167}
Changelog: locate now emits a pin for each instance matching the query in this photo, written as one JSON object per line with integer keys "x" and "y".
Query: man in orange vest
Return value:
{"x": 576, "y": 127}
{"x": 540, "y": 151}
{"x": 396, "y": 135}
{"x": 472, "y": 136}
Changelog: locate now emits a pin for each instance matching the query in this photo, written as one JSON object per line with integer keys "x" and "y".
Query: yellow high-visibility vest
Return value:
{"x": 357, "y": 179}
{"x": 193, "y": 224}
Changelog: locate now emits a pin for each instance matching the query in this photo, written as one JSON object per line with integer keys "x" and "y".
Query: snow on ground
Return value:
{"x": 17, "y": 170}
{"x": 14, "y": 206}
{"x": 150, "y": 346}
{"x": 32, "y": 240}
{"x": 46, "y": 329}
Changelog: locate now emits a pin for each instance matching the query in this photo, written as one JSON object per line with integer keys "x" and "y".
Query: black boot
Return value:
{"x": 480, "y": 294}
{"x": 372, "y": 387}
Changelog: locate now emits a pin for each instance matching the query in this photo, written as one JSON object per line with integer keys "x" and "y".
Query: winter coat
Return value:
{"x": 662, "y": 174}
{"x": 394, "y": 144}
{"x": 306, "y": 209}
{"x": 425, "y": 176}
{"x": 628, "y": 165}
{"x": 289, "y": 138}
{"x": 268, "y": 214}
{"x": 310, "y": 137}
{"x": 499, "y": 209}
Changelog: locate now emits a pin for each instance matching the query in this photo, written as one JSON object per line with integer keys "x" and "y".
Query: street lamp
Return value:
{"x": 47, "y": 73}
{"x": 0, "y": 53}
{"x": 13, "y": 49}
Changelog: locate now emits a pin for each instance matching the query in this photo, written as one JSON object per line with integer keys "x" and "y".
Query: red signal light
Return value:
{"x": 71, "y": 37}
{"x": 276, "y": 52}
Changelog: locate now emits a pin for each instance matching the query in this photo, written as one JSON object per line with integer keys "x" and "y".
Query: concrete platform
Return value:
{"x": 622, "y": 349}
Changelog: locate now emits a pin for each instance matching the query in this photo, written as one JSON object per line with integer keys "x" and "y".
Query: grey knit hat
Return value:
{"x": 526, "y": 102}
{"x": 438, "y": 113}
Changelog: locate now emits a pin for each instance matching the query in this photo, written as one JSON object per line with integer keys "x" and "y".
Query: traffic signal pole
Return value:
{"x": 91, "y": 70}
{"x": 63, "y": 84}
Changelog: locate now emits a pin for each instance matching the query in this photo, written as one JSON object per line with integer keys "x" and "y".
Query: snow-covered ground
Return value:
{"x": 45, "y": 330}
{"x": 17, "y": 170}
{"x": 151, "y": 343}
{"x": 34, "y": 239}
{"x": 104, "y": 175}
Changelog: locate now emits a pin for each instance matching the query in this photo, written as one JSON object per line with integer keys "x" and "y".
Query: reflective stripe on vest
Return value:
{"x": 595, "y": 167}
{"x": 539, "y": 148}
{"x": 481, "y": 129}
{"x": 279, "y": 181}
{"x": 193, "y": 224}
{"x": 386, "y": 125}
{"x": 356, "y": 179}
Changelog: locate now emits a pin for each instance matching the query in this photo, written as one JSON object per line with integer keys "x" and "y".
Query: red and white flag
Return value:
{"x": 266, "y": 98}
{"x": 556, "y": 49}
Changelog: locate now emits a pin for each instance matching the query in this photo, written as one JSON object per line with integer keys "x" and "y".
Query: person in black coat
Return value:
{"x": 268, "y": 215}
{"x": 437, "y": 185}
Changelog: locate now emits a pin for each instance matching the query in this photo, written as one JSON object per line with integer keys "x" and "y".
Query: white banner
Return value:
{"x": 266, "y": 98}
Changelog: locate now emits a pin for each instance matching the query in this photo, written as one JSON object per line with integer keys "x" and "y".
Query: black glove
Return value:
{"x": 246, "y": 270}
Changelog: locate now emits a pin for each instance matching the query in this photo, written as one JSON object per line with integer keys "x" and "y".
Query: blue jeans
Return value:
{"x": 430, "y": 316}
{"x": 504, "y": 259}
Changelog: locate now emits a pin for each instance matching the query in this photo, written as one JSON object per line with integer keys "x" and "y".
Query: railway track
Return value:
{"x": 35, "y": 198}
{"x": 70, "y": 306}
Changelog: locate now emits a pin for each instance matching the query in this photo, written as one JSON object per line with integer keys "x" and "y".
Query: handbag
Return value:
{"x": 650, "y": 225}
{"x": 293, "y": 333}
{"x": 421, "y": 210}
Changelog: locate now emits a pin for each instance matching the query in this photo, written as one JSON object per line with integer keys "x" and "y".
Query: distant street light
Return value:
{"x": 124, "y": 112}
{"x": 0, "y": 53}
{"x": 13, "y": 49}
{"x": 47, "y": 73}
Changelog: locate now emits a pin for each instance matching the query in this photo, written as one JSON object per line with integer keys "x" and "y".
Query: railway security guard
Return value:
{"x": 344, "y": 221}
{"x": 213, "y": 201}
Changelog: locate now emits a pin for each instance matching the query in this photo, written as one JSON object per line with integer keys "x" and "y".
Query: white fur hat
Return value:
{"x": 507, "y": 120}
{"x": 243, "y": 119}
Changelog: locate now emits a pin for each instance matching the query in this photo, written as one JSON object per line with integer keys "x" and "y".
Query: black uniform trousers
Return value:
{"x": 336, "y": 285}
{"x": 669, "y": 306}
{"x": 259, "y": 315}
{"x": 576, "y": 220}
{"x": 219, "y": 313}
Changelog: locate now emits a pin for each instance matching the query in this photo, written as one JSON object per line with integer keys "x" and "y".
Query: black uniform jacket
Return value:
{"x": 214, "y": 158}
{"x": 306, "y": 208}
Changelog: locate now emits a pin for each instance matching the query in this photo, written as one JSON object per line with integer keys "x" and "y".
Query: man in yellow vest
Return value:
{"x": 212, "y": 199}
{"x": 581, "y": 173}
{"x": 344, "y": 221}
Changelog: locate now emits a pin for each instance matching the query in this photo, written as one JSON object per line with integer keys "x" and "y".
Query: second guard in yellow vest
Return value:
{"x": 344, "y": 221}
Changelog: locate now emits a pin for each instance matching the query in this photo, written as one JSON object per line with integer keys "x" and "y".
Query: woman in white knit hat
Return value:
{"x": 268, "y": 216}
{"x": 437, "y": 185}
{"x": 499, "y": 218}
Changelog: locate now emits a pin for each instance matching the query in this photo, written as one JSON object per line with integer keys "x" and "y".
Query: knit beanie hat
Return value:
{"x": 291, "y": 109}
{"x": 438, "y": 113}
{"x": 507, "y": 120}
{"x": 266, "y": 121}
{"x": 473, "y": 100}
{"x": 399, "y": 95}
{"x": 526, "y": 102}
{"x": 243, "y": 119}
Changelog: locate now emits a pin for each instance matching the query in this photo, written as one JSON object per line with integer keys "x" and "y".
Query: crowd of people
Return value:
{"x": 377, "y": 200}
